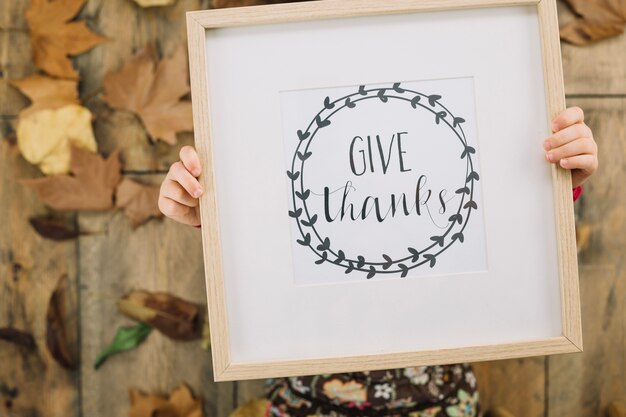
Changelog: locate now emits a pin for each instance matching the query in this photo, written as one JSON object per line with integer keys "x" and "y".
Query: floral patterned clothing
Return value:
{"x": 426, "y": 391}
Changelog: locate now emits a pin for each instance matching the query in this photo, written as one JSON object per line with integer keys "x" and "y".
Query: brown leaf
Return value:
{"x": 90, "y": 188}
{"x": 153, "y": 92}
{"x": 18, "y": 337}
{"x": 54, "y": 37}
{"x": 46, "y": 93}
{"x": 57, "y": 339}
{"x": 206, "y": 334}
{"x": 139, "y": 202}
{"x": 53, "y": 229}
{"x": 171, "y": 315}
{"x": 181, "y": 403}
{"x": 597, "y": 19}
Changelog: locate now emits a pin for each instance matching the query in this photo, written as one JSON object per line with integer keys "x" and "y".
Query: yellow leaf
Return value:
{"x": 181, "y": 403}
{"x": 253, "y": 408}
{"x": 44, "y": 137}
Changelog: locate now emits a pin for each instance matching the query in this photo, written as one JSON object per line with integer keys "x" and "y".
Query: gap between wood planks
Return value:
{"x": 600, "y": 96}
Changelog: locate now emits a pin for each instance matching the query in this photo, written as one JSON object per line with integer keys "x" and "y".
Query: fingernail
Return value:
{"x": 549, "y": 157}
{"x": 563, "y": 162}
{"x": 197, "y": 192}
{"x": 195, "y": 172}
{"x": 546, "y": 145}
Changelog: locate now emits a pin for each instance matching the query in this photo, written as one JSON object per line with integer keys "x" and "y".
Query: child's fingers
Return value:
{"x": 190, "y": 160}
{"x": 568, "y": 117}
{"x": 576, "y": 147}
{"x": 179, "y": 174}
{"x": 178, "y": 212}
{"x": 172, "y": 208}
{"x": 587, "y": 163}
{"x": 568, "y": 134}
{"x": 174, "y": 191}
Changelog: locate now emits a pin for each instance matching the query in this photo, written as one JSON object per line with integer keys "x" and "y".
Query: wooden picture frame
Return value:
{"x": 228, "y": 366}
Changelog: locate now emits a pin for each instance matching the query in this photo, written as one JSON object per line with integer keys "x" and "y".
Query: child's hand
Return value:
{"x": 178, "y": 198}
{"x": 572, "y": 145}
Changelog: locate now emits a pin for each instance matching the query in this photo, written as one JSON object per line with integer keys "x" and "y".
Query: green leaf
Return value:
{"x": 126, "y": 338}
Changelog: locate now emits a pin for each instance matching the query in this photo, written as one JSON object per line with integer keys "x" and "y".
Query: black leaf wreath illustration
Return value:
{"x": 322, "y": 246}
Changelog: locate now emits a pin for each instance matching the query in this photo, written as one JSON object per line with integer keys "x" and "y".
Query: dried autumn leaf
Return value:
{"x": 206, "y": 334}
{"x": 53, "y": 229}
{"x": 500, "y": 412}
{"x": 144, "y": 405}
{"x": 46, "y": 136}
{"x": 597, "y": 19}
{"x": 583, "y": 236}
{"x": 185, "y": 405}
{"x": 90, "y": 188}
{"x": 54, "y": 37}
{"x": 154, "y": 3}
{"x": 171, "y": 315}
{"x": 57, "y": 339}
{"x": 139, "y": 202}
{"x": 126, "y": 338}
{"x": 181, "y": 403}
{"x": 46, "y": 93}
{"x": 253, "y": 408}
{"x": 18, "y": 337}
{"x": 153, "y": 92}
{"x": 616, "y": 409}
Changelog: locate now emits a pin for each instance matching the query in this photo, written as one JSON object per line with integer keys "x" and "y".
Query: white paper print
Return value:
{"x": 383, "y": 181}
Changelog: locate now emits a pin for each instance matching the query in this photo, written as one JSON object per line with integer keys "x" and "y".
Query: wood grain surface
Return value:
{"x": 114, "y": 260}
{"x": 585, "y": 384}
{"x": 32, "y": 383}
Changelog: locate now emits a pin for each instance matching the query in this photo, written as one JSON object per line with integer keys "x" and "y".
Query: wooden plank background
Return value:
{"x": 165, "y": 256}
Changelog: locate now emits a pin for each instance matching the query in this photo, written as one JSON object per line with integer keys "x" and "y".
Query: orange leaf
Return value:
{"x": 46, "y": 93}
{"x": 181, "y": 403}
{"x": 154, "y": 3}
{"x": 597, "y": 19}
{"x": 153, "y": 92}
{"x": 139, "y": 202}
{"x": 53, "y": 37}
{"x": 90, "y": 188}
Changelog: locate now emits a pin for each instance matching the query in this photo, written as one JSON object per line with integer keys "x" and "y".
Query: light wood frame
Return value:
{"x": 224, "y": 368}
